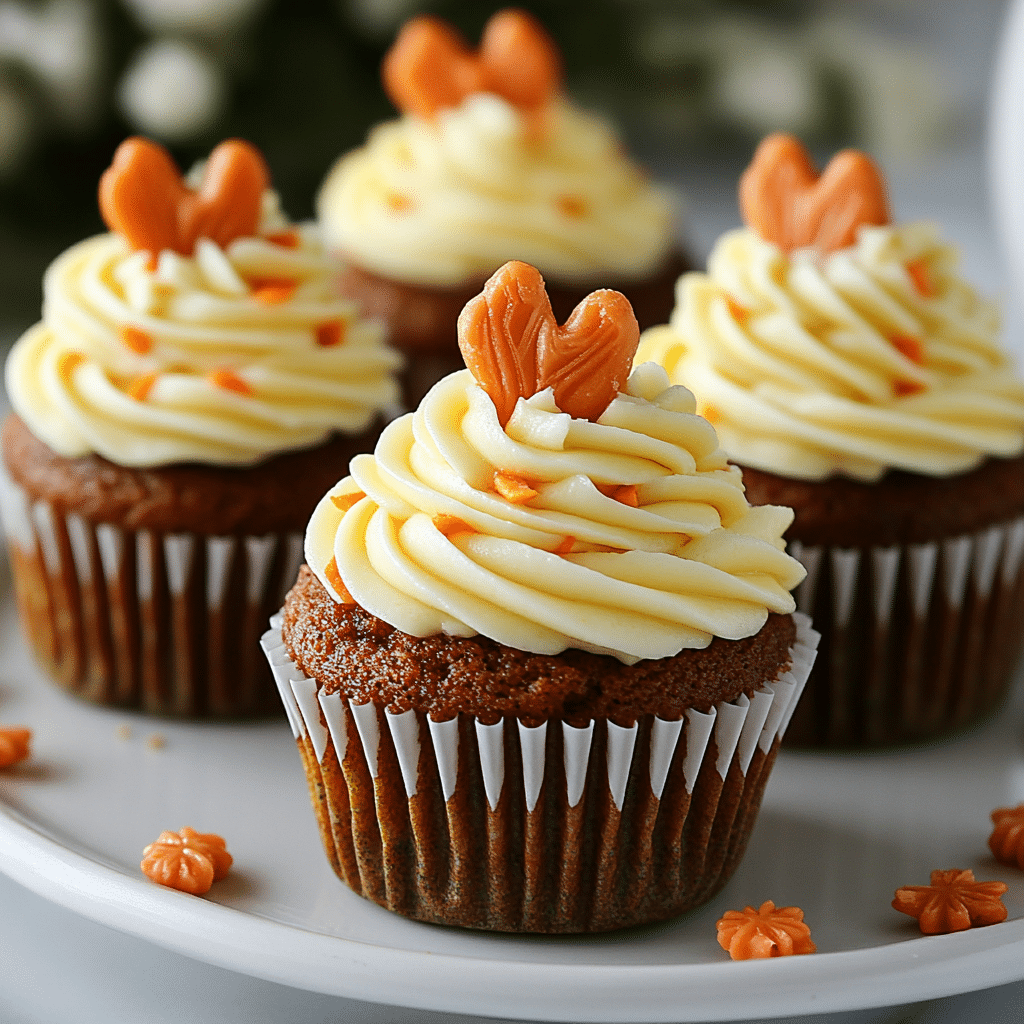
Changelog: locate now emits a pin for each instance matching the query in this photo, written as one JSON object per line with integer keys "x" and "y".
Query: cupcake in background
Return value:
{"x": 542, "y": 654}
{"x": 489, "y": 162}
{"x": 194, "y": 385}
{"x": 854, "y": 376}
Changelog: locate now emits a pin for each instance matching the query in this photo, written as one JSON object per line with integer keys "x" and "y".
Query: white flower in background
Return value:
{"x": 16, "y": 132}
{"x": 172, "y": 91}
{"x": 59, "y": 44}
{"x": 198, "y": 17}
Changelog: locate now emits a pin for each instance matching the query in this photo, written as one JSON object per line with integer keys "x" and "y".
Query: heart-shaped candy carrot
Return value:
{"x": 144, "y": 198}
{"x": 515, "y": 348}
{"x": 785, "y": 201}
{"x": 431, "y": 66}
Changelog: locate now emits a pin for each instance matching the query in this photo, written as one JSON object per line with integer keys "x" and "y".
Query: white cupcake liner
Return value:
{"x": 607, "y": 781}
{"x": 165, "y": 622}
{"x": 917, "y": 639}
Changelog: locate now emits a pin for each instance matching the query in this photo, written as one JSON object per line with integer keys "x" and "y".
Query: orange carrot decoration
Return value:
{"x": 953, "y": 902}
{"x": 187, "y": 860}
{"x": 14, "y": 745}
{"x": 144, "y": 198}
{"x": 515, "y": 348}
{"x": 785, "y": 201}
{"x": 1007, "y": 839}
{"x": 431, "y": 66}
{"x": 767, "y": 931}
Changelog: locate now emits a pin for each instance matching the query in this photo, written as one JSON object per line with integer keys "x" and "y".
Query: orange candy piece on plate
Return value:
{"x": 953, "y": 902}
{"x": 144, "y": 198}
{"x": 1007, "y": 839}
{"x": 187, "y": 860}
{"x": 430, "y": 65}
{"x": 14, "y": 745}
{"x": 785, "y": 201}
{"x": 763, "y": 932}
{"x": 515, "y": 348}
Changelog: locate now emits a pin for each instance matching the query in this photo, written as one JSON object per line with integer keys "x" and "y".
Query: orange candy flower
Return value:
{"x": 1007, "y": 839}
{"x": 953, "y": 902}
{"x": 769, "y": 931}
{"x": 14, "y": 743}
{"x": 187, "y": 860}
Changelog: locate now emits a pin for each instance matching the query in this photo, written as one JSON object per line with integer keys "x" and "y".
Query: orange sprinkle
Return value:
{"x": 627, "y": 495}
{"x": 571, "y": 206}
{"x": 346, "y": 501}
{"x": 566, "y": 546}
{"x": 710, "y": 413}
{"x": 922, "y": 278}
{"x": 397, "y": 202}
{"x": 14, "y": 744}
{"x": 331, "y": 333}
{"x": 910, "y": 346}
{"x": 903, "y": 388}
{"x": 229, "y": 381}
{"x": 140, "y": 387}
{"x": 451, "y": 524}
{"x": 67, "y": 363}
{"x": 137, "y": 340}
{"x": 739, "y": 313}
{"x": 285, "y": 239}
{"x": 272, "y": 291}
{"x": 334, "y": 578}
{"x": 513, "y": 488}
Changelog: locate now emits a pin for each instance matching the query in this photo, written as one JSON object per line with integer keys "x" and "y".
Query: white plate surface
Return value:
{"x": 836, "y": 836}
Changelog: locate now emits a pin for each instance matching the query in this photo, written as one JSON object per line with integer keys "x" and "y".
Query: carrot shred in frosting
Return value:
{"x": 346, "y": 501}
{"x": 14, "y": 745}
{"x": 334, "y": 578}
{"x": 230, "y": 381}
{"x": 903, "y": 388}
{"x": 953, "y": 902}
{"x": 909, "y": 346}
{"x": 398, "y": 202}
{"x": 574, "y": 207}
{"x": 451, "y": 524}
{"x": 330, "y": 334}
{"x": 767, "y": 931}
{"x": 67, "y": 363}
{"x": 140, "y": 387}
{"x": 285, "y": 239}
{"x": 272, "y": 291}
{"x": 187, "y": 860}
{"x": 136, "y": 339}
{"x": 513, "y": 488}
{"x": 626, "y": 494}
{"x": 738, "y": 312}
{"x": 710, "y": 413}
{"x": 567, "y": 544}
{"x": 921, "y": 276}
{"x": 1007, "y": 839}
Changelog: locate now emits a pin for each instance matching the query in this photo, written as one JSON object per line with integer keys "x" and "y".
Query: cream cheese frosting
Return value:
{"x": 444, "y": 201}
{"x": 632, "y": 538}
{"x": 876, "y": 357}
{"x": 226, "y": 356}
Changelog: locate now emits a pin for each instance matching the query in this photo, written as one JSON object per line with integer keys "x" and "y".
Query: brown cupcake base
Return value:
{"x": 549, "y": 828}
{"x": 917, "y": 586}
{"x": 421, "y": 320}
{"x": 149, "y": 589}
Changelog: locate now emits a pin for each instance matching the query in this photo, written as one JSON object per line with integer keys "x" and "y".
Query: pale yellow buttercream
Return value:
{"x": 203, "y": 323}
{"x": 443, "y": 202}
{"x": 432, "y": 547}
{"x": 812, "y": 366}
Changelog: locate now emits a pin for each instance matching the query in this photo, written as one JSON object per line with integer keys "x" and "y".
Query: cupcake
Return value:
{"x": 194, "y": 385}
{"x": 489, "y": 162}
{"x": 542, "y": 653}
{"x": 854, "y": 376}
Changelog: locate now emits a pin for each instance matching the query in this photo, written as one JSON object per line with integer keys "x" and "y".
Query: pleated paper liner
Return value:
{"x": 917, "y": 640}
{"x": 165, "y": 623}
{"x": 547, "y": 829}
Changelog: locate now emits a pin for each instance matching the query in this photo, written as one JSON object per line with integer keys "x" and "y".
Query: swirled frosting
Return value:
{"x": 876, "y": 357}
{"x": 627, "y": 536}
{"x": 226, "y": 356}
{"x": 446, "y": 201}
